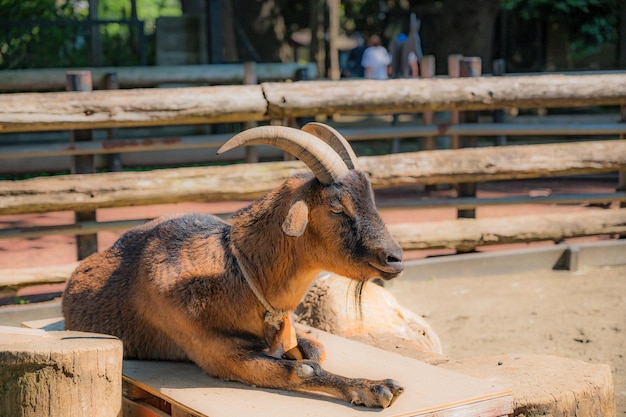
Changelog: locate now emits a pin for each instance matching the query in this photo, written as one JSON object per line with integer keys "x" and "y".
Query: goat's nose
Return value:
{"x": 393, "y": 257}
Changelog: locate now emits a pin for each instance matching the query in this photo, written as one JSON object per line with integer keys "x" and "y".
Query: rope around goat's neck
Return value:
{"x": 273, "y": 317}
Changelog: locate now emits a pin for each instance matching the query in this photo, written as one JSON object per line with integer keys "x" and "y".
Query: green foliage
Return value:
{"x": 20, "y": 300}
{"x": 56, "y": 33}
{"x": 590, "y": 23}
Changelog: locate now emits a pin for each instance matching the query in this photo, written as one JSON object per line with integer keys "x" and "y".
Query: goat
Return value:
{"x": 194, "y": 287}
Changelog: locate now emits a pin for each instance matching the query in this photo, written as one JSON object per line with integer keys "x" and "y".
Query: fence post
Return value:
{"x": 250, "y": 78}
{"x": 111, "y": 82}
{"x": 454, "y": 71}
{"x": 621, "y": 180}
{"x": 427, "y": 70}
{"x": 498, "y": 115}
{"x": 82, "y": 164}
{"x": 469, "y": 67}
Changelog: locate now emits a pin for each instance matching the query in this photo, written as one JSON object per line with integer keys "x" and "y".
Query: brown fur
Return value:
{"x": 171, "y": 289}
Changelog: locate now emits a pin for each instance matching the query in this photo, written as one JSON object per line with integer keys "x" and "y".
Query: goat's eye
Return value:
{"x": 337, "y": 210}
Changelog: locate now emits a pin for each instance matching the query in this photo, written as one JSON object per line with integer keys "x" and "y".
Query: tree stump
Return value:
{"x": 545, "y": 385}
{"x": 47, "y": 374}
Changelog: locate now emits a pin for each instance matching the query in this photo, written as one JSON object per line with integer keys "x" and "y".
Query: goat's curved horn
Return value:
{"x": 325, "y": 163}
{"x": 335, "y": 140}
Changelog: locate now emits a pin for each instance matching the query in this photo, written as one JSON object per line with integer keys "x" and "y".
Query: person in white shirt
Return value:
{"x": 376, "y": 59}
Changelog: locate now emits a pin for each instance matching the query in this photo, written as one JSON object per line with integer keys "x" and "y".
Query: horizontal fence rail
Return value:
{"x": 28, "y": 112}
{"x": 175, "y": 143}
{"x": 463, "y": 235}
{"x": 153, "y": 76}
{"x": 248, "y": 181}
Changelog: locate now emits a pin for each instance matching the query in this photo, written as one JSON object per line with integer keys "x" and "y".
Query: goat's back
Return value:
{"x": 129, "y": 289}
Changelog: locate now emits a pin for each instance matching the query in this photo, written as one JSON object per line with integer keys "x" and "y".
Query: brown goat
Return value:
{"x": 193, "y": 287}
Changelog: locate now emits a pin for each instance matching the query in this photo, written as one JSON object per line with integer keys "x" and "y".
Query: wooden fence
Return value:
{"x": 154, "y": 76}
{"x": 277, "y": 102}
{"x": 28, "y": 112}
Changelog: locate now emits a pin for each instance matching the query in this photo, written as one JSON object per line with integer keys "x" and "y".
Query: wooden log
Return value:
{"x": 154, "y": 107}
{"x": 453, "y": 234}
{"x": 59, "y": 374}
{"x": 437, "y": 94}
{"x": 243, "y": 182}
{"x": 153, "y": 76}
{"x": 545, "y": 385}
{"x": 125, "y": 108}
{"x": 467, "y": 234}
{"x": 36, "y": 275}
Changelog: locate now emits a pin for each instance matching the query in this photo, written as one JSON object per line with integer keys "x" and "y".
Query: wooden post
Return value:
{"x": 111, "y": 82}
{"x": 470, "y": 67}
{"x": 427, "y": 70}
{"x": 302, "y": 74}
{"x": 46, "y": 374}
{"x": 82, "y": 164}
{"x": 249, "y": 78}
{"x": 498, "y": 115}
{"x": 333, "y": 30}
{"x": 454, "y": 71}
{"x": 621, "y": 182}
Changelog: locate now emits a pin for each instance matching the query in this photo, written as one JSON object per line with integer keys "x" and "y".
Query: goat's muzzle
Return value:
{"x": 389, "y": 263}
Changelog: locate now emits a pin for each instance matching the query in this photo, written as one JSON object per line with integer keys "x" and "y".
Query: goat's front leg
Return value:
{"x": 261, "y": 370}
{"x": 308, "y": 348}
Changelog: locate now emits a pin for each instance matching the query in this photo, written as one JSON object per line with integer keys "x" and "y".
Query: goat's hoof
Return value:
{"x": 378, "y": 394}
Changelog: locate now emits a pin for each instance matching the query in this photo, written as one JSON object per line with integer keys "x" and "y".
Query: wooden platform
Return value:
{"x": 183, "y": 389}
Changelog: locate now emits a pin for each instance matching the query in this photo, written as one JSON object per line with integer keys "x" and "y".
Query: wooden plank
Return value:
{"x": 36, "y": 275}
{"x": 49, "y": 325}
{"x": 152, "y": 76}
{"x": 139, "y": 409}
{"x": 467, "y": 234}
{"x": 429, "y": 390}
{"x": 437, "y": 94}
{"x": 124, "y": 108}
{"x": 451, "y": 234}
{"x": 218, "y": 104}
{"x": 87, "y": 227}
{"x": 245, "y": 181}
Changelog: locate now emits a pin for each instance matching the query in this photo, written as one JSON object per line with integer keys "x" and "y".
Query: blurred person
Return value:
{"x": 354, "y": 67}
{"x": 376, "y": 59}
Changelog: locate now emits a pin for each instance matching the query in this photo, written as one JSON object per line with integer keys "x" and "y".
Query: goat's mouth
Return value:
{"x": 388, "y": 271}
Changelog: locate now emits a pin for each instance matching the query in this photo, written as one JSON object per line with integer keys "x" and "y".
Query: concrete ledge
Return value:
{"x": 563, "y": 256}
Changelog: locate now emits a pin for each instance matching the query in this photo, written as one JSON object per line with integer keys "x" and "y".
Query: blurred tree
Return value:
{"x": 24, "y": 45}
{"x": 53, "y": 33}
{"x": 261, "y": 30}
{"x": 590, "y": 23}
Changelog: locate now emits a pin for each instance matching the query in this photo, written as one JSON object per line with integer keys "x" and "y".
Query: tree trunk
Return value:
{"x": 263, "y": 30}
{"x": 467, "y": 28}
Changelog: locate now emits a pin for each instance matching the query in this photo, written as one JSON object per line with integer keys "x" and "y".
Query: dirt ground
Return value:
{"x": 579, "y": 315}
{"x": 576, "y": 315}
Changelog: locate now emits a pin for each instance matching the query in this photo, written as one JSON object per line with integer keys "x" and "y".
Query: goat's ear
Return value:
{"x": 297, "y": 219}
